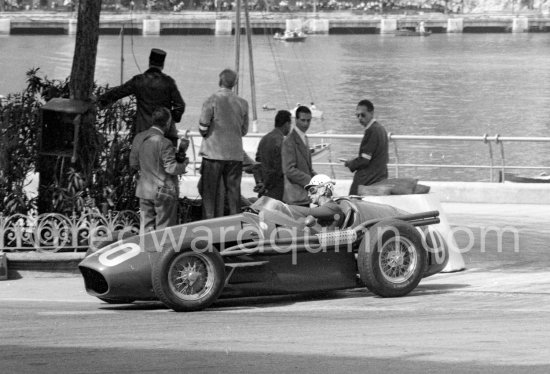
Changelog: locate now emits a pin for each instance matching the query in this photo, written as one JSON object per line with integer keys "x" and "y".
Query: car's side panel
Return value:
{"x": 294, "y": 272}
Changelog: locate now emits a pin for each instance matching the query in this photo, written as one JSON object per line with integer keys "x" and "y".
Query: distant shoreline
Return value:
{"x": 334, "y": 22}
{"x": 337, "y": 14}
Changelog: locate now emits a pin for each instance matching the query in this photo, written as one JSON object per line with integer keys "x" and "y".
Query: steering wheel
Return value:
{"x": 249, "y": 209}
{"x": 288, "y": 211}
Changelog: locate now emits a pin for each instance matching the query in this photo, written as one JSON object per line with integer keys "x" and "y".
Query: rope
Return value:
{"x": 303, "y": 73}
{"x": 132, "y": 37}
{"x": 277, "y": 62}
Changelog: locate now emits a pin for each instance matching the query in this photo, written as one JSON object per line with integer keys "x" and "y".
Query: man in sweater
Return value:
{"x": 371, "y": 164}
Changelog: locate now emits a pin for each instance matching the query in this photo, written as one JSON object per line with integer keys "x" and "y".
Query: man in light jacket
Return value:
{"x": 223, "y": 123}
{"x": 157, "y": 188}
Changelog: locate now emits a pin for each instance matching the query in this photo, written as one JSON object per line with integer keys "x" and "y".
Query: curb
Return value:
{"x": 40, "y": 264}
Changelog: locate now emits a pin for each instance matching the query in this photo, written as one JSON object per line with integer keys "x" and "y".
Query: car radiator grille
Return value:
{"x": 94, "y": 281}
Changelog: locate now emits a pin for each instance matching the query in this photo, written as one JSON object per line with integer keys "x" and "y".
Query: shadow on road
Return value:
{"x": 44, "y": 359}
{"x": 252, "y": 302}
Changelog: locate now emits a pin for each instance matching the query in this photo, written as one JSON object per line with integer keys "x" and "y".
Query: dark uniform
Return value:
{"x": 371, "y": 165}
{"x": 152, "y": 89}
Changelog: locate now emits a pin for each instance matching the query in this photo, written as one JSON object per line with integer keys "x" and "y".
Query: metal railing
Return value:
{"x": 496, "y": 140}
{"x": 495, "y": 144}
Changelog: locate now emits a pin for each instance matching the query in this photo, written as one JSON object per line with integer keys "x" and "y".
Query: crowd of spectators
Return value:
{"x": 229, "y": 5}
{"x": 354, "y": 6}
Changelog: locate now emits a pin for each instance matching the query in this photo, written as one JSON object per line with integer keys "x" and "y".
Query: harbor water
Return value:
{"x": 445, "y": 84}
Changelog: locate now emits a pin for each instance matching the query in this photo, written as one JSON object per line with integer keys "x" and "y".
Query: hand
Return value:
{"x": 182, "y": 160}
{"x": 184, "y": 145}
{"x": 180, "y": 154}
{"x": 260, "y": 189}
{"x": 346, "y": 162}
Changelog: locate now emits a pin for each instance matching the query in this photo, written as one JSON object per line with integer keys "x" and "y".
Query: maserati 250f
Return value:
{"x": 268, "y": 250}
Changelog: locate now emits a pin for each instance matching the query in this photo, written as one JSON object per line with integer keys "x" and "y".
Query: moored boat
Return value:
{"x": 290, "y": 36}
{"x": 511, "y": 177}
{"x": 318, "y": 150}
{"x": 407, "y": 32}
{"x": 315, "y": 113}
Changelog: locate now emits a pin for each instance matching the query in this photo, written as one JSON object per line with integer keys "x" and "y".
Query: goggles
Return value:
{"x": 313, "y": 190}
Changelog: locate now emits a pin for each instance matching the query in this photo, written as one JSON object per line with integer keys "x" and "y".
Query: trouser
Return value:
{"x": 217, "y": 176}
{"x": 157, "y": 214}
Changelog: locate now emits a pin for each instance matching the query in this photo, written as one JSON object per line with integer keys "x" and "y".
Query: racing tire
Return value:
{"x": 187, "y": 281}
{"x": 116, "y": 301}
{"x": 391, "y": 258}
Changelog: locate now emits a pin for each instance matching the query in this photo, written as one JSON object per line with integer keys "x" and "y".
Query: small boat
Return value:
{"x": 290, "y": 36}
{"x": 319, "y": 150}
{"x": 510, "y": 177}
{"x": 315, "y": 113}
{"x": 268, "y": 107}
{"x": 407, "y": 32}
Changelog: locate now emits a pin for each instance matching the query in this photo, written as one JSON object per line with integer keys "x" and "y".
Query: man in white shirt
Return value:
{"x": 296, "y": 160}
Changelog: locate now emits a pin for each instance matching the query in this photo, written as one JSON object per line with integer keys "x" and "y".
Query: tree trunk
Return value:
{"x": 85, "y": 51}
{"x": 81, "y": 84}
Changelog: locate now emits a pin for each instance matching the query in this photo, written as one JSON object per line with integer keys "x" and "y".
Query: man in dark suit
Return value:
{"x": 371, "y": 165}
{"x": 223, "y": 123}
{"x": 296, "y": 160}
{"x": 152, "y": 89}
{"x": 155, "y": 158}
{"x": 269, "y": 155}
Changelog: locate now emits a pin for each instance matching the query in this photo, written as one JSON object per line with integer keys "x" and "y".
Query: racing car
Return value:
{"x": 269, "y": 249}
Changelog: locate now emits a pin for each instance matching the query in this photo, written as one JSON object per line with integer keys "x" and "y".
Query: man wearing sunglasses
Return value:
{"x": 371, "y": 165}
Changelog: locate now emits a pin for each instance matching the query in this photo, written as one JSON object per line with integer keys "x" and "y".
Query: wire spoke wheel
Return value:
{"x": 391, "y": 258}
{"x": 186, "y": 280}
{"x": 191, "y": 276}
{"x": 398, "y": 259}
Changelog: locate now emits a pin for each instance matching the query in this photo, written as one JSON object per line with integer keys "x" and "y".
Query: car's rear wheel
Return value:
{"x": 391, "y": 258}
{"x": 188, "y": 281}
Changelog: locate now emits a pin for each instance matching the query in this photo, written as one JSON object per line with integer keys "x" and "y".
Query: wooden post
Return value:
{"x": 251, "y": 68}
{"x": 237, "y": 42}
{"x": 122, "y": 54}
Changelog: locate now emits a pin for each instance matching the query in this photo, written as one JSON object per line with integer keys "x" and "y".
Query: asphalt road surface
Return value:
{"x": 491, "y": 318}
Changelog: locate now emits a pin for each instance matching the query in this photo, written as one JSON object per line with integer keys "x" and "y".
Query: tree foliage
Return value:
{"x": 101, "y": 178}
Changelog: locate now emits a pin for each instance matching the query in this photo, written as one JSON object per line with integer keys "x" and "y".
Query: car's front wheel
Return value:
{"x": 391, "y": 258}
{"x": 187, "y": 280}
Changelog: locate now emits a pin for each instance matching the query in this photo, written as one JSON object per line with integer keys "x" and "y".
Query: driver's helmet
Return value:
{"x": 317, "y": 183}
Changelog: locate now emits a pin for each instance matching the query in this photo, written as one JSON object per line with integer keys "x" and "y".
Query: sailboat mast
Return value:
{"x": 251, "y": 68}
{"x": 237, "y": 41}
{"x": 122, "y": 54}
